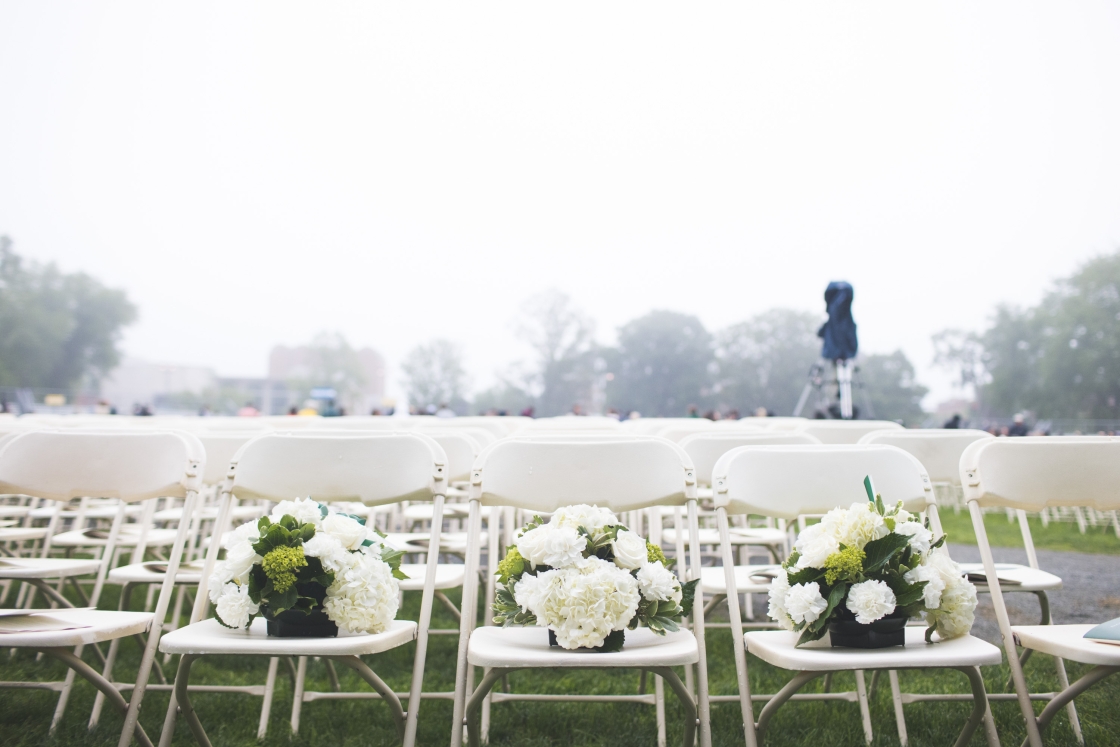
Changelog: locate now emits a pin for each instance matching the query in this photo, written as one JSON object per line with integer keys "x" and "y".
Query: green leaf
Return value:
{"x": 911, "y": 594}
{"x": 306, "y": 532}
{"x": 805, "y": 576}
{"x": 399, "y": 574}
{"x": 868, "y": 487}
{"x": 688, "y": 595}
{"x": 288, "y": 522}
{"x": 812, "y": 635}
{"x": 392, "y": 557}
{"x": 278, "y": 602}
{"x": 613, "y": 642}
{"x": 263, "y": 524}
{"x": 877, "y": 553}
{"x": 929, "y": 633}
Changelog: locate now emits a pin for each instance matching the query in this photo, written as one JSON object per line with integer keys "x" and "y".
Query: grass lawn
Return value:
{"x": 232, "y": 719}
{"x": 1100, "y": 539}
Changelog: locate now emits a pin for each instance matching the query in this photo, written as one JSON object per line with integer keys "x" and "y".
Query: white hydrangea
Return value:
{"x": 920, "y": 537}
{"x": 629, "y": 550}
{"x": 855, "y": 526}
{"x": 656, "y": 582}
{"x": 815, "y": 544}
{"x": 955, "y": 614}
{"x": 234, "y": 607}
{"x": 779, "y": 590}
{"x": 552, "y": 545}
{"x": 349, "y": 532}
{"x": 804, "y": 602}
{"x": 871, "y": 601}
{"x": 364, "y": 596}
{"x": 328, "y": 549}
{"x": 935, "y": 584}
{"x": 303, "y": 510}
{"x": 582, "y": 603}
{"x": 591, "y": 518}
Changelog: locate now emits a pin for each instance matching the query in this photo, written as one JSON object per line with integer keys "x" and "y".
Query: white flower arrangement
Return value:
{"x": 865, "y": 563}
{"x": 588, "y": 579}
{"x": 306, "y": 558}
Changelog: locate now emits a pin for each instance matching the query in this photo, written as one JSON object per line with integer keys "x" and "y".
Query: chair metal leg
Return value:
{"x": 297, "y": 693}
{"x": 76, "y": 665}
{"x": 386, "y": 692}
{"x": 1092, "y": 677}
{"x": 269, "y": 689}
{"x": 979, "y": 705}
{"x": 690, "y": 721}
{"x": 896, "y": 697}
{"x": 659, "y": 706}
{"x": 781, "y": 697}
{"x": 183, "y": 698}
{"x": 332, "y": 675}
{"x": 475, "y": 702}
{"x": 864, "y": 707}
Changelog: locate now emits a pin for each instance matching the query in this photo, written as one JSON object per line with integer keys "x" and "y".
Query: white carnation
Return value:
{"x": 871, "y": 601}
{"x": 582, "y": 603}
{"x": 303, "y": 510}
{"x": 629, "y": 550}
{"x": 920, "y": 537}
{"x": 349, "y": 532}
{"x": 779, "y": 590}
{"x": 814, "y": 545}
{"x": 526, "y": 592}
{"x": 935, "y": 584}
{"x": 328, "y": 549}
{"x": 656, "y": 582}
{"x": 551, "y": 545}
{"x": 364, "y": 595}
{"x": 591, "y": 518}
{"x": 805, "y": 603}
{"x": 234, "y": 607}
{"x": 240, "y": 559}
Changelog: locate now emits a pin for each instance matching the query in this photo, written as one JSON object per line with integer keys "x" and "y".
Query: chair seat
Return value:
{"x": 777, "y": 647}
{"x": 20, "y": 534}
{"x": 1067, "y": 642}
{"x": 1014, "y": 577}
{"x": 46, "y": 567}
{"x": 712, "y": 579}
{"x": 448, "y": 576}
{"x": 210, "y": 637}
{"x": 451, "y": 542}
{"x": 14, "y": 512}
{"x": 528, "y": 647}
{"x": 152, "y": 573}
{"x": 425, "y": 511}
{"x": 96, "y": 510}
{"x": 103, "y": 625}
{"x": 737, "y": 536}
{"x": 79, "y": 538}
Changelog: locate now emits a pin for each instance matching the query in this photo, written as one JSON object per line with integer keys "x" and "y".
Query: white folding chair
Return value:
{"x": 544, "y": 473}
{"x": 844, "y": 431}
{"x": 326, "y": 466}
{"x": 1033, "y": 474}
{"x": 128, "y": 466}
{"x": 785, "y": 481}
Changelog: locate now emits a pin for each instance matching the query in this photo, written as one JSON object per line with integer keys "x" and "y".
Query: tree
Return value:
{"x": 434, "y": 374}
{"x": 765, "y": 361}
{"x": 888, "y": 389}
{"x": 561, "y": 337}
{"x": 662, "y": 364}
{"x": 331, "y": 361}
{"x": 57, "y": 330}
{"x": 1059, "y": 359}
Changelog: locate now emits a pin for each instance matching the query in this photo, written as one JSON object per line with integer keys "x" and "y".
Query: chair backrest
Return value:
{"x": 781, "y": 423}
{"x": 357, "y": 423}
{"x": 461, "y": 449}
{"x": 373, "y": 468}
{"x": 619, "y": 472}
{"x": 938, "y": 449}
{"x": 845, "y": 431}
{"x": 220, "y": 449}
{"x": 678, "y": 431}
{"x": 1034, "y": 472}
{"x": 787, "y": 481}
{"x": 706, "y": 448}
{"x": 127, "y": 465}
{"x": 563, "y": 423}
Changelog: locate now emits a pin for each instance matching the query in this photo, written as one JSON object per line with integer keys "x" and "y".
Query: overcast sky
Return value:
{"x": 254, "y": 173}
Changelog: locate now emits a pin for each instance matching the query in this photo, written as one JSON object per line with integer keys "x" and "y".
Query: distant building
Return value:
{"x": 138, "y": 382}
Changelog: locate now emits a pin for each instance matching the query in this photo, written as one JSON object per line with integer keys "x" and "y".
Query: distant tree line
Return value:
{"x": 1058, "y": 359}
{"x": 664, "y": 362}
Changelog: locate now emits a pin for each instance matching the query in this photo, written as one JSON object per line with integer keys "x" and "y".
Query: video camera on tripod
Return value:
{"x": 838, "y": 349}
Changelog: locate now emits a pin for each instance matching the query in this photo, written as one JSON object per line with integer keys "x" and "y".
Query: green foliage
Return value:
{"x": 888, "y": 389}
{"x": 846, "y": 564}
{"x": 434, "y": 374}
{"x": 661, "y": 364}
{"x": 764, "y": 361}
{"x": 511, "y": 565}
{"x": 56, "y": 329}
{"x": 561, "y": 338}
{"x": 655, "y": 554}
{"x": 280, "y": 565}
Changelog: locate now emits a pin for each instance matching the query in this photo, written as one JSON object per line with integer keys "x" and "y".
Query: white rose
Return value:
{"x": 629, "y": 550}
{"x": 591, "y": 518}
{"x": 657, "y": 582}
{"x": 348, "y": 531}
{"x": 814, "y": 545}
{"x": 303, "y": 510}
{"x": 244, "y": 533}
{"x": 240, "y": 559}
{"x": 871, "y": 601}
{"x": 920, "y": 537}
{"x": 778, "y": 592}
{"x": 551, "y": 545}
{"x": 234, "y": 607}
{"x": 805, "y": 603}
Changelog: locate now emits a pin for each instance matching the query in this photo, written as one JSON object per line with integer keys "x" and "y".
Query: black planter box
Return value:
{"x": 612, "y": 643}
{"x": 884, "y": 633}
{"x": 297, "y": 624}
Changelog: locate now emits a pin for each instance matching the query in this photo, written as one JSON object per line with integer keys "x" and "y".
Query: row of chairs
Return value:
{"x": 581, "y": 449}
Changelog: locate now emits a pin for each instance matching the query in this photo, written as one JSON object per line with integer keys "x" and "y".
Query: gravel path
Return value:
{"x": 1090, "y": 591}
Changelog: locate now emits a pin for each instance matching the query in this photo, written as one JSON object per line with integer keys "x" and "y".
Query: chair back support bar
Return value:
{"x": 373, "y": 468}
{"x": 787, "y": 481}
{"x": 130, "y": 466}
{"x": 621, "y": 473}
{"x": 938, "y": 449}
{"x": 1034, "y": 472}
